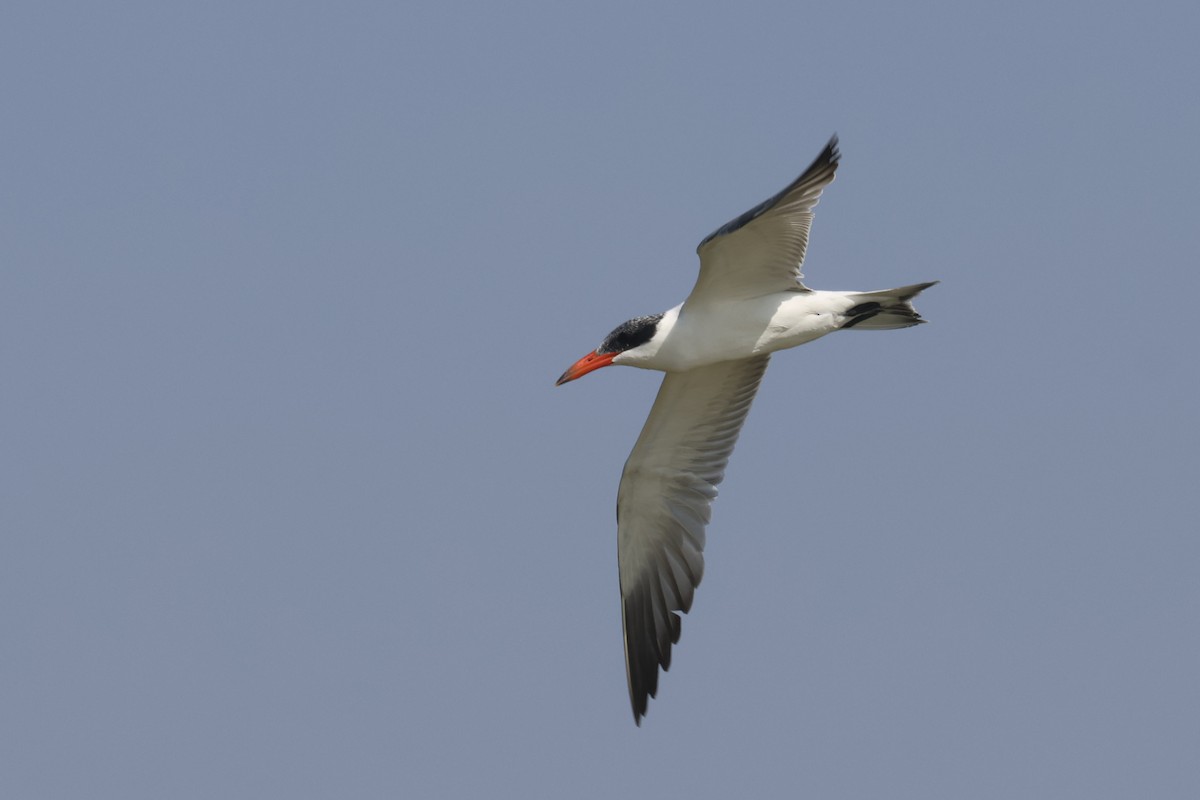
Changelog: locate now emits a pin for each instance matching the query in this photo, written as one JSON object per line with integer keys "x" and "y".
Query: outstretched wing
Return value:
{"x": 663, "y": 505}
{"x": 761, "y": 251}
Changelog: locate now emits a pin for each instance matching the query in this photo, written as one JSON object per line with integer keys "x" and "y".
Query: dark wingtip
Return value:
{"x": 829, "y": 157}
{"x": 638, "y": 705}
{"x": 831, "y": 153}
{"x": 827, "y": 160}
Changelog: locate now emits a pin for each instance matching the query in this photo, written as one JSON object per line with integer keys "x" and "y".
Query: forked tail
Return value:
{"x": 882, "y": 311}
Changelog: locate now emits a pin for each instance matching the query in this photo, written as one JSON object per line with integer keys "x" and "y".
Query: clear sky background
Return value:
{"x": 290, "y": 505}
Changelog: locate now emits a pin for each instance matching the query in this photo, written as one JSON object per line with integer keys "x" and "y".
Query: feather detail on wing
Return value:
{"x": 663, "y": 506}
{"x": 762, "y": 250}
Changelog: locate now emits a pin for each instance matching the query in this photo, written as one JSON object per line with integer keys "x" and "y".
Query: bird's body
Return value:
{"x": 748, "y": 302}
{"x": 751, "y": 326}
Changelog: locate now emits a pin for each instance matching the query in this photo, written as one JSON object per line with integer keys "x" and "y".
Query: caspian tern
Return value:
{"x": 747, "y": 303}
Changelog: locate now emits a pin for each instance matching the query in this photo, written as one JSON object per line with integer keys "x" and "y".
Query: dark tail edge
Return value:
{"x": 886, "y": 310}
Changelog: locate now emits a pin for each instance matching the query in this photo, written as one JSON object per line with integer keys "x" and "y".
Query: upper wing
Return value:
{"x": 761, "y": 251}
{"x": 663, "y": 504}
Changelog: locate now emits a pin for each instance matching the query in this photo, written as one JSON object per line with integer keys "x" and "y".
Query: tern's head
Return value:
{"x": 625, "y": 338}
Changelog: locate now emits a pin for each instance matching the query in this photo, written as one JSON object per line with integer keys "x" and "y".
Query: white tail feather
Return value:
{"x": 885, "y": 310}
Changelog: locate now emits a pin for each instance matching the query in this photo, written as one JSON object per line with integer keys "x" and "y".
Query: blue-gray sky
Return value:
{"x": 292, "y": 508}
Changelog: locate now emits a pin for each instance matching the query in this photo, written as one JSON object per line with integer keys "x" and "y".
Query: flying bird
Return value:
{"x": 748, "y": 302}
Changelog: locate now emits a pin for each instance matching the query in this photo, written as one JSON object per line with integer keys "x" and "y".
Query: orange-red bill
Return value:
{"x": 592, "y": 361}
